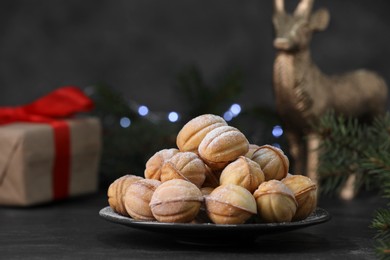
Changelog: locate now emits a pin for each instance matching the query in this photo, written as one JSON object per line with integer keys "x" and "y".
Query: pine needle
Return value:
{"x": 350, "y": 147}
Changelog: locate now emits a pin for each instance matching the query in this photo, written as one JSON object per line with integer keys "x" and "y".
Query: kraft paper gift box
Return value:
{"x": 32, "y": 170}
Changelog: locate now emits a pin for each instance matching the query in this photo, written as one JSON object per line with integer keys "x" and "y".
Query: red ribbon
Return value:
{"x": 53, "y": 109}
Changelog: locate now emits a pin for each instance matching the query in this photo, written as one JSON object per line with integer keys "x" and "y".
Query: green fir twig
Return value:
{"x": 350, "y": 147}
{"x": 344, "y": 141}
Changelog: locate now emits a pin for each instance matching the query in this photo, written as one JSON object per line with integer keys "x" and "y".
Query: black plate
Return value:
{"x": 214, "y": 234}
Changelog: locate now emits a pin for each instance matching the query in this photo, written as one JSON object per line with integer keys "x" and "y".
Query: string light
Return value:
{"x": 235, "y": 109}
{"x": 143, "y": 110}
{"x": 277, "y": 131}
{"x": 125, "y": 122}
{"x": 173, "y": 116}
{"x": 228, "y": 116}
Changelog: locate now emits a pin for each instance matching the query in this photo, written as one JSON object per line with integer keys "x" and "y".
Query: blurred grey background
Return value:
{"x": 140, "y": 46}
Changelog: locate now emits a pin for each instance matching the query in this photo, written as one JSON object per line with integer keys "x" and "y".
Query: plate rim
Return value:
{"x": 108, "y": 214}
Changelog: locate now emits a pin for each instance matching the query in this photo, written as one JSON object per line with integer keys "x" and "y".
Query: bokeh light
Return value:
{"x": 173, "y": 116}
{"x": 125, "y": 122}
{"x": 228, "y": 116}
{"x": 277, "y": 131}
{"x": 143, "y": 110}
{"x": 235, "y": 109}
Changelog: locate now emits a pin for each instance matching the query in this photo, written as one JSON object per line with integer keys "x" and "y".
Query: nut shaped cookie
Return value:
{"x": 272, "y": 161}
{"x": 221, "y": 146}
{"x": 154, "y": 164}
{"x": 275, "y": 202}
{"x": 117, "y": 190}
{"x": 230, "y": 204}
{"x": 193, "y": 132}
{"x": 305, "y": 192}
{"x": 176, "y": 201}
{"x": 137, "y": 198}
{"x": 184, "y": 165}
{"x": 243, "y": 172}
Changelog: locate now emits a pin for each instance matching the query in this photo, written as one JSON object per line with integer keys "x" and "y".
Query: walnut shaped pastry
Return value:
{"x": 275, "y": 202}
{"x": 193, "y": 132}
{"x": 272, "y": 161}
{"x": 305, "y": 192}
{"x": 154, "y": 164}
{"x": 117, "y": 190}
{"x": 176, "y": 201}
{"x": 243, "y": 172}
{"x": 230, "y": 204}
{"x": 221, "y": 146}
{"x": 137, "y": 198}
{"x": 184, "y": 165}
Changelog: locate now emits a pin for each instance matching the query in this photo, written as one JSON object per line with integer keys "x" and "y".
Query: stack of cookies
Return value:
{"x": 216, "y": 176}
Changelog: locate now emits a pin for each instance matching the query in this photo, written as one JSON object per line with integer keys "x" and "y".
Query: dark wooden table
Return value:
{"x": 72, "y": 229}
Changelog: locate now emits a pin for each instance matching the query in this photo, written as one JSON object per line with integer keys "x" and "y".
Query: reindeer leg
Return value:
{"x": 296, "y": 149}
{"x": 313, "y": 142}
{"x": 348, "y": 192}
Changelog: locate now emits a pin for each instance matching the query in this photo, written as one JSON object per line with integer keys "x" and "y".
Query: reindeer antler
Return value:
{"x": 279, "y": 6}
{"x": 304, "y": 8}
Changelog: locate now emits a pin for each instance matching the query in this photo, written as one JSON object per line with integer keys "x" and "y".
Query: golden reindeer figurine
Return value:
{"x": 303, "y": 93}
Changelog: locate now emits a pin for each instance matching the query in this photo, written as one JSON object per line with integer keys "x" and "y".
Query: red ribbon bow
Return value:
{"x": 59, "y": 104}
{"x": 52, "y": 109}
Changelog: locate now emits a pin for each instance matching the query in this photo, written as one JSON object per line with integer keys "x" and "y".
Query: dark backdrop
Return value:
{"x": 140, "y": 46}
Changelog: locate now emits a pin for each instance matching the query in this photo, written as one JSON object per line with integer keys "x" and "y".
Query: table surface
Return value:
{"x": 73, "y": 229}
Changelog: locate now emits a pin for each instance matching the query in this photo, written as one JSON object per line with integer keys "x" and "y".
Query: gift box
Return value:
{"x": 43, "y": 155}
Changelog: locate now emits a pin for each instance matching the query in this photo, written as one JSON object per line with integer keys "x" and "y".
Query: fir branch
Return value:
{"x": 381, "y": 223}
{"x": 377, "y": 164}
{"x": 383, "y": 250}
{"x": 342, "y": 148}
{"x": 350, "y": 147}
